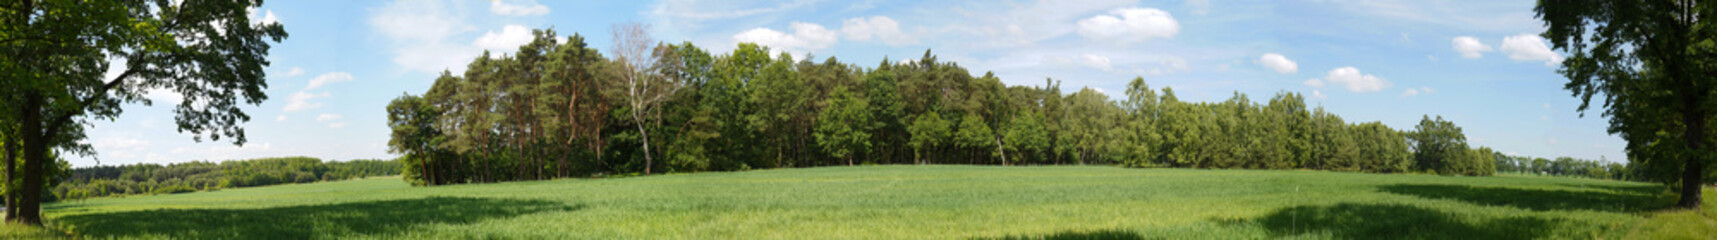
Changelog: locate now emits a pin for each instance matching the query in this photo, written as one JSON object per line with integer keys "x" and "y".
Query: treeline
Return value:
{"x": 148, "y": 178}
{"x": 1570, "y": 167}
{"x": 562, "y": 109}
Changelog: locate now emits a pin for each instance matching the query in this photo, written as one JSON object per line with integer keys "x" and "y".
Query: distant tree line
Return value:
{"x": 562, "y": 109}
{"x": 1572, "y": 167}
{"x": 149, "y": 178}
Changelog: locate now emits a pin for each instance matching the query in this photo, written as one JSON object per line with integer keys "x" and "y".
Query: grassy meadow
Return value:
{"x": 909, "y": 202}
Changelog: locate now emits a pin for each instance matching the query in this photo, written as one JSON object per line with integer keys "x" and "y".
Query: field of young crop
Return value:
{"x": 911, "y": 202}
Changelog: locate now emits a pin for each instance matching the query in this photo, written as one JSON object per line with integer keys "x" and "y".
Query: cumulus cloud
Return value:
{"x": 879, "y": 28}
{"x": 124, "y": 148}
{"x": 1199, "y": 7}
{"x": 280, "y": 118}
{"x": 526, "y": 9}
{"x": 294, "y": 72}
{"x": 159, "y": 95}
{"x": 1096, "y": 61}
{"x": 1279, "y": 63}
{"x": 1355, "y": 81}
{"x": 1175, "y": 64}
{"x": 300, "y": 101}
{"x": 327, "y": 78}
{"x": 269, "y": 18}
{"x": 327, "y": 117}
{"x": 1528, "y": 47}
{"x": 1319, "y": 95}
{"x": 806, "y": 37}
{"x": 1315, "y": 82}
{"x": 1469, "y": 47}
{"x": 223, "y": 151}
{"x": 1418, "y": 91}
{"x": 420, "y": 33}
{"x": 510, "y": 38}
{"x": 1130, "y": 25}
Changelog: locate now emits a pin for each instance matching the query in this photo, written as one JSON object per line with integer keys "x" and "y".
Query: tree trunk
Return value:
{"x": 647, "y": 160}
{"x": 1693, "y": 171}
{"x": 11, "y": 197}
{"x": 35, "y": 151}
{"x": 1004, "y": 152}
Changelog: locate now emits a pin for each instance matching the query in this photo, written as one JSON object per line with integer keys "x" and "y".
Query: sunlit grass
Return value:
{"x": 912, "y": 202}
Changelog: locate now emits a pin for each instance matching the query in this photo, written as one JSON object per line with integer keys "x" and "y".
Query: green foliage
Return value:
{"x": 929, "y": 131}
{"x": 912, "y": 202}
{"x": 1440, "y": 147}
{"x": 101, "y": 181}
{"x": 975, "y": 135}
{"x": 1027, "y": 137}
{"x": 1650, "y": 63}
{"x": 57, "y": 53}
{"x": 843, "y": 129}
{"x": 746, "y": 110}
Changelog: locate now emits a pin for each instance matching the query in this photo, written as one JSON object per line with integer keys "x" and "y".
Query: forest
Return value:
{"x": 562, "y": 109}
{"x": 149, "y": 178}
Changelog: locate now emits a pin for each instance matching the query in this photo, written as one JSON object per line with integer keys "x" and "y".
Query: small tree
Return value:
{"x": 928, "y": 131}
{"x": 843, "y": 129}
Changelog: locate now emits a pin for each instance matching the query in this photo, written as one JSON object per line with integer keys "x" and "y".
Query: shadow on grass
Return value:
{"x": 1075, "y": 235}
{"x": 1391, "y": 221}
{"x": 302, "y": 222}
{"x": 1617, "y": 199}
{"x": 1639, "y": 189}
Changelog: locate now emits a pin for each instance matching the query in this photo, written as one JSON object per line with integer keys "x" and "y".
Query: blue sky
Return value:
{"x": 1477, "y": 63}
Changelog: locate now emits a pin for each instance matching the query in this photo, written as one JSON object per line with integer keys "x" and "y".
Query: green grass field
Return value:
{"x": 911, "y": 202}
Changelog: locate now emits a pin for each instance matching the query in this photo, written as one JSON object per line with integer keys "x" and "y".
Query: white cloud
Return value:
{"x": 1319, "y": 95}
{"x": 266, "y": 18}
{"x": 122, "y": 148}
{"x": 1470, "y": 47}
{"x": 1199, "y": 7}
{"x": 1096, "y": 61}
{"x": 1130, "y": 25}
{"x": 526, "y": 9}
{"x": 1354, "y": 80}
{"x": 159, "y": 95}
{"x": 327, "y": 117}
{"x": 1023, "y": 25}
{"x": 327, "y": 78}
{"x": 1175, "y": 64}
{"x": 1427, "y": 90}
{"x": 879, "y": 28}
{"x": 1410, "y": 92}
{"x": 1315, "y": 82}
{"x": 421, "y": 35}
{"x": 280, "y": 118}
{"x": 300, "y": 101}
{"x": 115, "y": 142}
{"x": 806, "y": 37}
{"x": 1528, "y": 47}
{"x": 227, "y": 152}
{"x": 508, "y": 40}
{"x": 1279, "y": 63}
{"x": 294, "y": 72}
{"x": 269, "y": 18}
{"x": 337, "y": 125}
